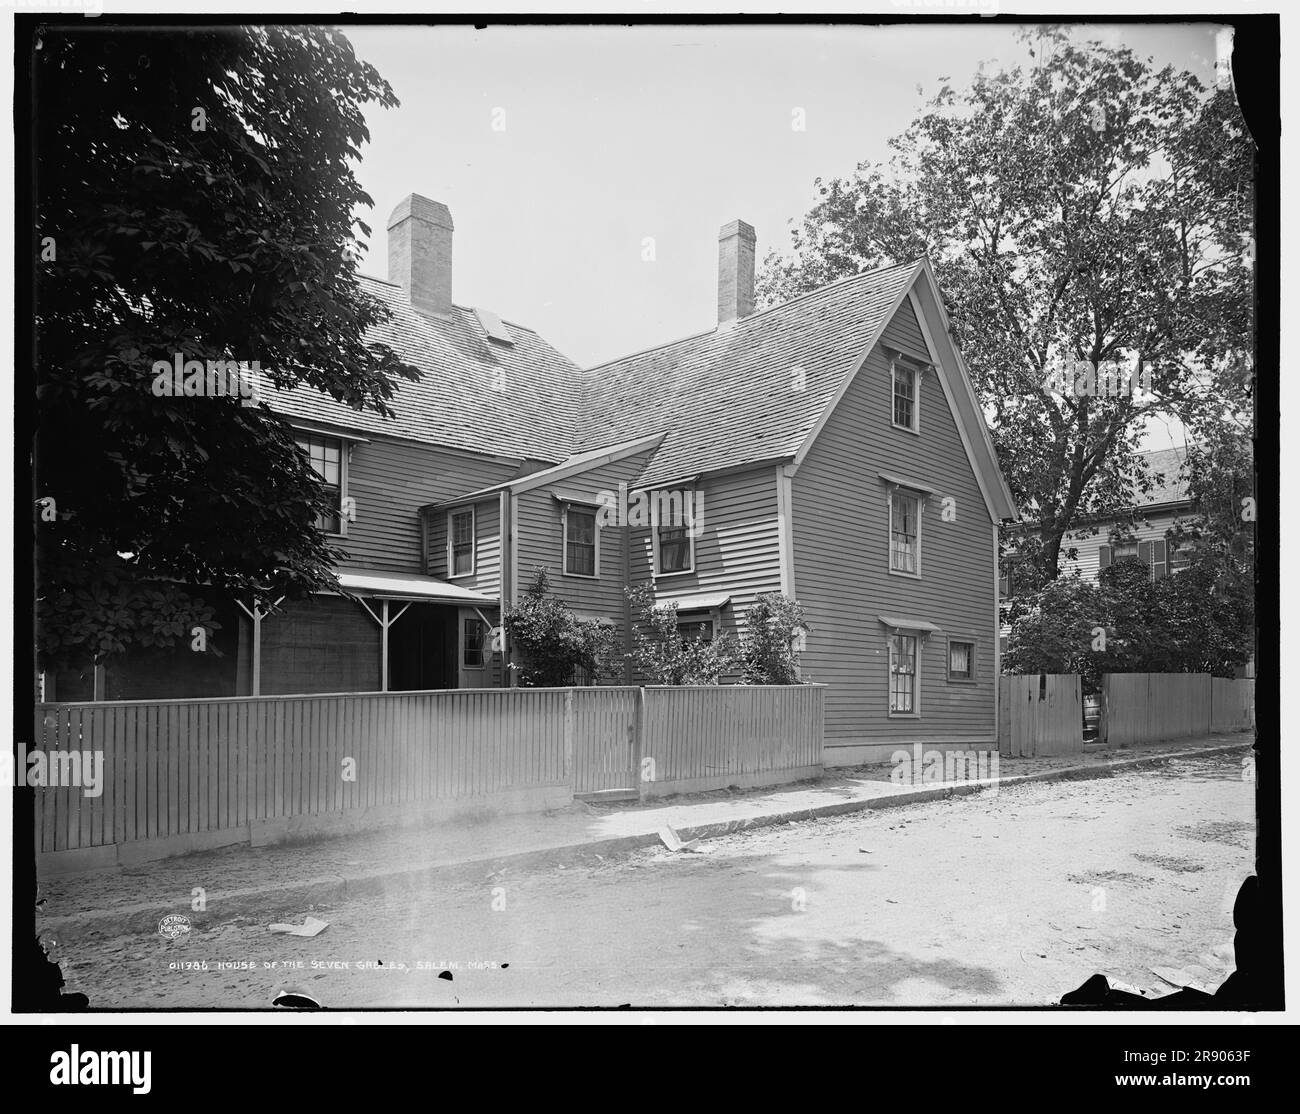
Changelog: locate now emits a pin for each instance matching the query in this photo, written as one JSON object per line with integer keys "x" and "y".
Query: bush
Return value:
{"x": 665, "y": 657}
{"x": 770, "y": 658}
{"x": 552, "y": 644}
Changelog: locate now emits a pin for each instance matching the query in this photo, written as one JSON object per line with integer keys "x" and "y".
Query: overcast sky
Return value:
{"x": 613, "y": 135}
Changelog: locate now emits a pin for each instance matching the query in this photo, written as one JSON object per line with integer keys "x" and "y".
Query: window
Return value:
{"x": 580, "y": 542}
{"x": 1124, "y": 549}
{"x": 961, "y": 661}
{"x": 905, "y": 533}
{"x": 1180, "y": 556}
{"x": 326, "y": 457}
{"x": 905, "y": 379}
{"x": 902, "y": 675}
{"x": 460, "y": 543}
{"x": 695, "y": 630}
{"x": 475, "y": 637}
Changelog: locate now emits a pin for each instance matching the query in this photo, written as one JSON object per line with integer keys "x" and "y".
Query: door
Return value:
{"x": 475, "y": 651}
{"x": 422, "y": 649}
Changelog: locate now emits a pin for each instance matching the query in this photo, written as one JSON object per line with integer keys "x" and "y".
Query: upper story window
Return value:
{"x": 460, "y": 542}
{"x": 675, "y": 524}
{"x": 905, "y": 532}
{"x": 906, "y": 390}
{"x": 327, "y": 458}
{"x": 1154, "y": 554}
{"x": 581, "y": 544}
{"x": 1180, "y": 556}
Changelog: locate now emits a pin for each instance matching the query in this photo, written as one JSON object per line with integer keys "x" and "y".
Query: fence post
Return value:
{"x": 638, "y": 741}
{"x": 568, "y": 738}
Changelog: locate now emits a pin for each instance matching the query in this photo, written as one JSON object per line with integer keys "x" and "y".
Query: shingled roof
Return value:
{"x": 724, "y": 398}
{"x": 1167, "y": 469}
{"x": 515, "y": 400}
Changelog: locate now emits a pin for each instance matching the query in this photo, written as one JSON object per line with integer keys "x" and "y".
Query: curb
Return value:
{"x": 327, "y": 889}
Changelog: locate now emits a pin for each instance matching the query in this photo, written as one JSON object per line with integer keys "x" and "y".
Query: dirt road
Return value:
{"x": 985, "y": 900}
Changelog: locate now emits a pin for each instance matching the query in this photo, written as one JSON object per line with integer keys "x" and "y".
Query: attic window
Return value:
{"x": 494, "y": 327}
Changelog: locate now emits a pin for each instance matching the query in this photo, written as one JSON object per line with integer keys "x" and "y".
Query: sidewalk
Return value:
{"x": 288, "y": 879}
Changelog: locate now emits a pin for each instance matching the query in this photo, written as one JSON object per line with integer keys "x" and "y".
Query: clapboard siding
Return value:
{"x": 486, "y": 577}
{"x": 541, "y": 539}
{"x": 738, "y": 550}
{"x": 1088, "y": 544}
{"x": 390, "y": 480}
{"x": 841, "y": 560}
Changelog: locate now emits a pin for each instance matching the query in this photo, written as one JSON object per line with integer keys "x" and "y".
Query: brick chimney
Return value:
{"x": 735, "y": 271}
{"x": 419, "y": 253}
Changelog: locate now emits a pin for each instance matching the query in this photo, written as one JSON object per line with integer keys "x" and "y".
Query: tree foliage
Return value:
{"x": 1083, "y": 212}
{"x": 551, "y": 646}
{"x": 195, "y": 194}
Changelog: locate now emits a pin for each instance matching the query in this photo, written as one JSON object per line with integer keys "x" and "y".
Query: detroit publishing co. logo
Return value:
{"x": 173, "y": 925}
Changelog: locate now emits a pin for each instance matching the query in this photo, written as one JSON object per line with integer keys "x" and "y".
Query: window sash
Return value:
{"x": 692, "y": 630}
{"x": 902, "y": 674}
{"x": 462, "y": 543}
{"x": 961, "y": 660}
{"x": 325, "y": 454}
{"x": 904, "y": 532}
{"x": 904, "y": 396}
{"x": 579, "y": 542}
{"x": 674, "y": 549}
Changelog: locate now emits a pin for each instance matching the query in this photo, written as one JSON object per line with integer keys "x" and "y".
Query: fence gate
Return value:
{"x": 606, "y": 749}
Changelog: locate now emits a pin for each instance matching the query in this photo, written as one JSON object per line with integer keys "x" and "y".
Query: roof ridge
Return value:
{"x": 760, "y": 313}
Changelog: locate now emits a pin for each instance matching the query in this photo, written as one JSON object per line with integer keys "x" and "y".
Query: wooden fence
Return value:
{"x": 1150, "y": 707}
{"x": 700, "y": 738}
{"x": 180, "y": 776}
{"x": 1040, "y": 714}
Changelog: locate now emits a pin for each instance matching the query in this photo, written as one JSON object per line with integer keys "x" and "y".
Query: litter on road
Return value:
{"x": 312, "y": 926}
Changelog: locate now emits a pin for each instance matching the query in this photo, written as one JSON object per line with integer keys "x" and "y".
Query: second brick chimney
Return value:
{"x": 419, "y": 253}
{"x": 735, "y": 271}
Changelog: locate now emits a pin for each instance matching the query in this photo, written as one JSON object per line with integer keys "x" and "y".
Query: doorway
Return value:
{"x": 423, "y": 649}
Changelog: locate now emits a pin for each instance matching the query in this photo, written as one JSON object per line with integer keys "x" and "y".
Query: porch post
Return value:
{"x": 383, "y": 625}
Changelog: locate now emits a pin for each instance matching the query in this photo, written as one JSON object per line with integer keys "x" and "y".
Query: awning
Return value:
{"x": 899, "y": 481}
{"x": 411, "y": 586}
{"x": 705, "y": 601}
{"x": 897, "y": 623}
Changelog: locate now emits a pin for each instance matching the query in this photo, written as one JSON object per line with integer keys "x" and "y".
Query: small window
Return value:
{"x": 905, "y": 533}
{"x": 695, "y": 630}
{"x": 326, "y": 457}
{"x": 579, "y": 542}
{"x": 676, "y": 548}
{"x": 902, "y": 675}
{"x": 905, "y": 379}
{"x": 475, "y": 638}
{"x": 961, "y": 661}
{"x": 460, "y": 543}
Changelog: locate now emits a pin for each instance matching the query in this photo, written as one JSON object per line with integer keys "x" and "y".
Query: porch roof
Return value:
{"x": 410, "y": 586}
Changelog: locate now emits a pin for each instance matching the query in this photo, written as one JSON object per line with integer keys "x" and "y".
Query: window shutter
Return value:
{"x": 1103, "y": 557}
{"x": 1159, "y": 558}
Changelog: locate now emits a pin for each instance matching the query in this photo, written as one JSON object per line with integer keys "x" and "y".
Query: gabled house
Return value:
{"x": 830, "y": 448}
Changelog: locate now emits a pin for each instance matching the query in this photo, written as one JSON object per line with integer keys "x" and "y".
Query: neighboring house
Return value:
{"x": 830, "y": 449}
{"x": 1098, "y": 541}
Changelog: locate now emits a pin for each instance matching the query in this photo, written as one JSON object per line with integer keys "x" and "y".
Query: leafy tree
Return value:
{"x": 1057, "y": 631}
{"x": 666, "y": 656}
{"x": 552, "y": 644}
{"x": 771, "y": 632}
{"x": 1085, "y": 214}
{"x": 194, "y": 194}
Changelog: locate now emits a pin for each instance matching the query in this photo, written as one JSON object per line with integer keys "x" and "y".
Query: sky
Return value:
{"x": 614, "y": 137}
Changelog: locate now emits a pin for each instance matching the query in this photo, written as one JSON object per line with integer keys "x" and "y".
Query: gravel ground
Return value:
{"x": 1011, "y": 898}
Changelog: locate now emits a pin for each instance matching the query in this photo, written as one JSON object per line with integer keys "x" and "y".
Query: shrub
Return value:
{"x": 769, "y": 654}
{"x": 665, "y": 657}
{"x": 554, "y": 646}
